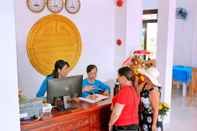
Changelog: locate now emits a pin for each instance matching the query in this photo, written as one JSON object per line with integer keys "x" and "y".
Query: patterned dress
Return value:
{"x": 146, "y": 111}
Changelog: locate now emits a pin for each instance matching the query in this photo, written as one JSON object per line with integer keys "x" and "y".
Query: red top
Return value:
{"x": 128, "y": 97}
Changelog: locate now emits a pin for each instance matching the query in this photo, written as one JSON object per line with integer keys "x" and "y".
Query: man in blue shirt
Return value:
{"x": 92, "y": 86}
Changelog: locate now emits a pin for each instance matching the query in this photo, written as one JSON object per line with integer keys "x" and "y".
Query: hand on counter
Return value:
{"x": 88, "y": 88}
{"x": 92, "y": 97}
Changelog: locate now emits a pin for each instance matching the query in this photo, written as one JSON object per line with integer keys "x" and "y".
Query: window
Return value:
{"x": 149, "y": 32}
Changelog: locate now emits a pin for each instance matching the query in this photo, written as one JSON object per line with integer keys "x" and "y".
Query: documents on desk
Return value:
{"x": 98, "y": 98}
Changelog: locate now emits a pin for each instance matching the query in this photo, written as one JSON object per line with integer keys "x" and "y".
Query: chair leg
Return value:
{"x": 184, "y": 89}
{"x": 190, "y": 89}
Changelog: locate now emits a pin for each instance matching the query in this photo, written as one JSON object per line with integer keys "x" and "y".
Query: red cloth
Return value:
{"x": 129, "y": 97}
{"x": 141, "y": 52}
{"x": 127, "y": 61}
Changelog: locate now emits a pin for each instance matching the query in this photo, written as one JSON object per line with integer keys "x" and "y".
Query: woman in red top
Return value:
{"x": 125, "y": 104}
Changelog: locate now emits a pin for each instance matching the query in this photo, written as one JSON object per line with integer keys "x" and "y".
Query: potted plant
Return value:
{"x": 163, "y": 109}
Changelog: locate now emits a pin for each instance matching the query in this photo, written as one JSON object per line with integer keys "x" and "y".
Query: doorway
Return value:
{"x": 149, "y": 32}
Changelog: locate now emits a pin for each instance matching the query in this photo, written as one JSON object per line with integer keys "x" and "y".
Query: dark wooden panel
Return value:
{"x": 90, "y": 118}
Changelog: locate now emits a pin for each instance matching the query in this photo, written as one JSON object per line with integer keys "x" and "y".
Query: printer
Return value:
{"x": 31, "y": 109}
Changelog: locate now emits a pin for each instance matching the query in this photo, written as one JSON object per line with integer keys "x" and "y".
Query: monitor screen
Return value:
{"x": 68, "y": 86}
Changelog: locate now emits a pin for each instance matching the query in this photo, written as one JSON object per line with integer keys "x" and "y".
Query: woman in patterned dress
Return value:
{"x": 150, "y": 98}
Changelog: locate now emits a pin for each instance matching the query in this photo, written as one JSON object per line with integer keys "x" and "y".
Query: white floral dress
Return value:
{"x": 146, "y": 112}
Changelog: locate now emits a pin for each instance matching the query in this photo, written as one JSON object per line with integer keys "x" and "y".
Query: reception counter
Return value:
{"x": 86, "y": 117}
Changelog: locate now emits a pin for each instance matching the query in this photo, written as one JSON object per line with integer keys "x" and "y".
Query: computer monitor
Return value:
{"x": 68, "y": 86}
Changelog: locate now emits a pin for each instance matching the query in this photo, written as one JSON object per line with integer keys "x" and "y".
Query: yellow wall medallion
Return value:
{"x": 53, "y": 37}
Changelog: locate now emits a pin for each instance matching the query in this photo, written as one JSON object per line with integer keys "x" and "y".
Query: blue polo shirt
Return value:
{"x": 98, "y": 87}
{"x": 43, "y": 87}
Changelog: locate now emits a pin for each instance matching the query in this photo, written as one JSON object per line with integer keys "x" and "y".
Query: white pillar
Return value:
{"x": 9, "y": 109}
{"x": 120, "y": 33}
{"x": 194, "y": 40}
{"x": 165, "y": 45}
{"x": 134, "y": 25}
{"x": 128, "y": 26}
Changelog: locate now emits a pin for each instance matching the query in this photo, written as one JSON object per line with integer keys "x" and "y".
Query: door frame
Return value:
{"x": 145, "y": 22}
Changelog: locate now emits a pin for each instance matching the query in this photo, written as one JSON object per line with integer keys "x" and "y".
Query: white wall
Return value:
{"x": 185, "y": 48}
{"x": 184, "y": 34}
{"x": 95, "y": 21}
{"x": 150, "y": 4}
{"x": 9, "y": 108}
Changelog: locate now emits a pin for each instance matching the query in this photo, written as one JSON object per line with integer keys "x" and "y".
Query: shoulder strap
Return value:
{"x": 144, "y": 86}
{"x": 151, "y": 89}
{"x": 156, "y": 88}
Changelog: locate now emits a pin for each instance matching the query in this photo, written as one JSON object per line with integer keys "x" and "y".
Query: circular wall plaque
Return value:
{"x": 36, "y": 5}
{"x": 53, "y": 37}
{"x": 55, "y": 6}
{"x": 72, "y": 6}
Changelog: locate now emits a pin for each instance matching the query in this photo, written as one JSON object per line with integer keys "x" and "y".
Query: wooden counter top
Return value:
{"x": 86, "y": 117}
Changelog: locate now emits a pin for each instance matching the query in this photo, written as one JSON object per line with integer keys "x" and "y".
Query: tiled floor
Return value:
{"x": 183, "y": 113}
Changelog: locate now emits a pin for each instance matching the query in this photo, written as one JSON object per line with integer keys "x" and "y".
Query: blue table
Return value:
{"x": 182, "y": 74}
